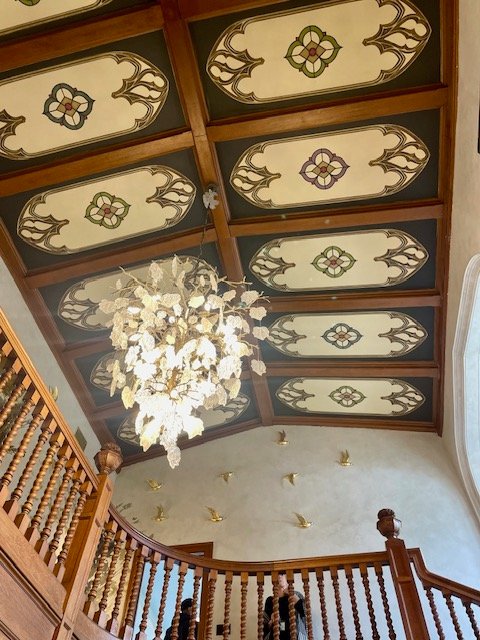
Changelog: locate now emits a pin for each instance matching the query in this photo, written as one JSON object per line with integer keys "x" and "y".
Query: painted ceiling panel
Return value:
{"x": 72, "y": 104}
{"x": 120, "y": 206}
{"x": 379, "y": 258}
{"x": 338, "y": 46}
{"x": 375, "y": 334}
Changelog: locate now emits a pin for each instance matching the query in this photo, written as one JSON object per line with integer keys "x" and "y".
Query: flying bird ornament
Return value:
{"x": 154, "y": 485}
{"x": 303, "y": 523}
{"x": 283, "y": 438}
{"x": 214, "y": 515}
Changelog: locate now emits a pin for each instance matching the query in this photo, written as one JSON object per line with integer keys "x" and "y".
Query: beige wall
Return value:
{"x": 16, "y": 310}
{"x": 408, "y": 472}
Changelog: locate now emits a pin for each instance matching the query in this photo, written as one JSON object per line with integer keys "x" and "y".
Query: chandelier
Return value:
{"x": 180, "y": 335}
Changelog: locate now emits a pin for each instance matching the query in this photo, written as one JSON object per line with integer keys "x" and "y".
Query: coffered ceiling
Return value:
{"x": 328, "y": 130}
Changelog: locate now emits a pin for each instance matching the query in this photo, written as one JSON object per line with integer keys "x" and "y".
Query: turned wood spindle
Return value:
{"x": 323, "y": 603}
{"x": 386, "y": 606}
{"x": 19, "y": 420}
{"x": 138, "y": 566}
{"x": 243, "y": 605}
{"x": 292, "y": 622}
{"x": 154, "y": 560}
{"x": 178, "y": 601}
{"x": 7, "y": 376}
{"x": 275, "y": 607}
{"x": 227, "y": 604}
{"x": 453, "y": 615}
{"x": 353, "y": 601}
{"x": 108, "y": 534}
{"x": 471, "y": 617}
{"x": 308, "y": 604}
{"x": 212, "y": 583}
{"x": 167, "y": 569}
{"x": 260, "y": 605}
{"x": 100, "y": 616}
{"x": 434, "y": 610}
{"x": 130, "y": 547}
{"x": 338, "y": 603}
{"x": 196, "y": 591}
{"x": 368, "y": 597}
{"x": 83, "y": 492}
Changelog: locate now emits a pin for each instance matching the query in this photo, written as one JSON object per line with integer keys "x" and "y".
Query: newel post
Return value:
{"x": 85, "y": 541}
{"x": 402, "y": 576}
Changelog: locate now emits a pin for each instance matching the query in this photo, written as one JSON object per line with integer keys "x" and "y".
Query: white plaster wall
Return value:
{"x": 408, "y": 472}
{"x": 19, "y": 316}
{"x": 465, "y": 236}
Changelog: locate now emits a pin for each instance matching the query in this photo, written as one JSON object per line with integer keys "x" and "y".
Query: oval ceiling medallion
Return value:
{"x": 359, "y": 396}
{"x": 352, "y": 164}
{"x": 337, "y": 46}
{"x": 211, "y": 418}
{"x": 356, "y": 259}
{"x": 79, "y": 304}
{"x": 28, "y": 13}
{"x": 376, "y": 334}
{"x": 105, "y": 210}
{"x": 96, "y": 98}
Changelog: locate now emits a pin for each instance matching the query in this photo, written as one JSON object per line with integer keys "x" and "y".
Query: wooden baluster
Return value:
{"x": 126, "y": 632}
{"x": 167, "y": 569}
{"x": 292, "y": 618}
{"x": 275, "y": 607}
{"x": 100, "y": 616}
{"x": 33, "y": 534}
{"x": 71, "y": 464}
{"x": 83, "y": 492}
{"x": 368, "y": 595}
{"x": 51, "y": 555}
{"x": 260, "y": 606}
{"x": 227, "y": 604}
{"x": 212, "y": 583}
{"x": 22, "y": 520}
{"x": 113, "y": 623}
{"x": 308, "y": 604}
{"x": 19, "y": 420}
{"x": 323, "y": 604}
{"x": 453, "y": 615}
{"x": 353, "y": 601}
{"x": 36, "y": 420}
{"x": 154, "y": 560}
{"x": 108, "y": 533}
{"x": 196, "y": 590}
{"x": 9, "y": 373}
{"x": 433, "y": 608}
{"x": 338, "y": 603}
{"x": 471, "y": 617}
{"x": 178, "y": 601}
{"x": 386, "y": 606}
{"x": 243, "y": 605}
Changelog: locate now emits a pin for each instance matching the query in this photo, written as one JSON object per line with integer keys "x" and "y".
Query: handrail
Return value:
{"x": 444, "y": 584}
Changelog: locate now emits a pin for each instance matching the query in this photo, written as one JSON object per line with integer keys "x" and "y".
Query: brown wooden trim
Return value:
{"x": 68, "y": 39}
{"x": 88, "y": 163}
{"x": 103, "y": 261}
{"x": 86, "y": 348}
{"x": 335, "y": 219}
{"x": 355, "y": 422}
{"x": 344, "y": 111}
{"x": 201, "y": 9}
{"x": 352, "y": 369}
{"x": 353, "y": 301}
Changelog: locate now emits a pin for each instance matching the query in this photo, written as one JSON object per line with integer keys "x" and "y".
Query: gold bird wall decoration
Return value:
{"x": 345, "y": 459}
{"x": 154, "y": 485}
{"x": 282, "y": 438}
{"x": 291, "y": 477}
{"x": 161, "y": 515}
{"x": 226, "y": 475}
{"x": 53, "y": 392}
{"x": 214, "y": 515}
{"x": 303, "y": 523}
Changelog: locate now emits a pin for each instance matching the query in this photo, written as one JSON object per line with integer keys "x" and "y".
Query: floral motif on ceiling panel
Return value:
{"x": 336, "y": 46}
{"x": 77, "y": 103}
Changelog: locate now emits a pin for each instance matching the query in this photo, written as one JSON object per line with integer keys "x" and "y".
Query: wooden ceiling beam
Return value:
{"x": 143, "y": 252}
{"x": 347, "y": 110}
{"x": 68, "y": 39}
{"x": 90, "y": 162}
{"x": 201, "y": 9}
{"x": 191, "y": 93}
{"x": 357, "y": 369}
{"x": 355, "y": 422}
{"x": 353, "y": 301}
{"x": 335, "y": 219}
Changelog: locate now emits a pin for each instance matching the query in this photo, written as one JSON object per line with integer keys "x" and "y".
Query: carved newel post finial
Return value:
{"x": 109, "y": 458}
{"x": 388, "y": 524}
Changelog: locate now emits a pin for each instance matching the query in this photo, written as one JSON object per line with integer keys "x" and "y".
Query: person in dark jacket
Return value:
{"x": 186, "y": 612}
{"x": 283, "y": 613}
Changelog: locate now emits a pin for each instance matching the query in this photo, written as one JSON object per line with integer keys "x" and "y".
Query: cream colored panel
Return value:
{"x": 28, "y": 13}
{"x": 211, "y": 418}
{"x": 110, "y": 209}
{"x": 353, "y": 396}
{"x": 76, "y": 103}
{"x": 383, "y": 334}
{"x": 339, "y": 45}
{"x": 379, "y": 258}
{"x": 79, "y": 304}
